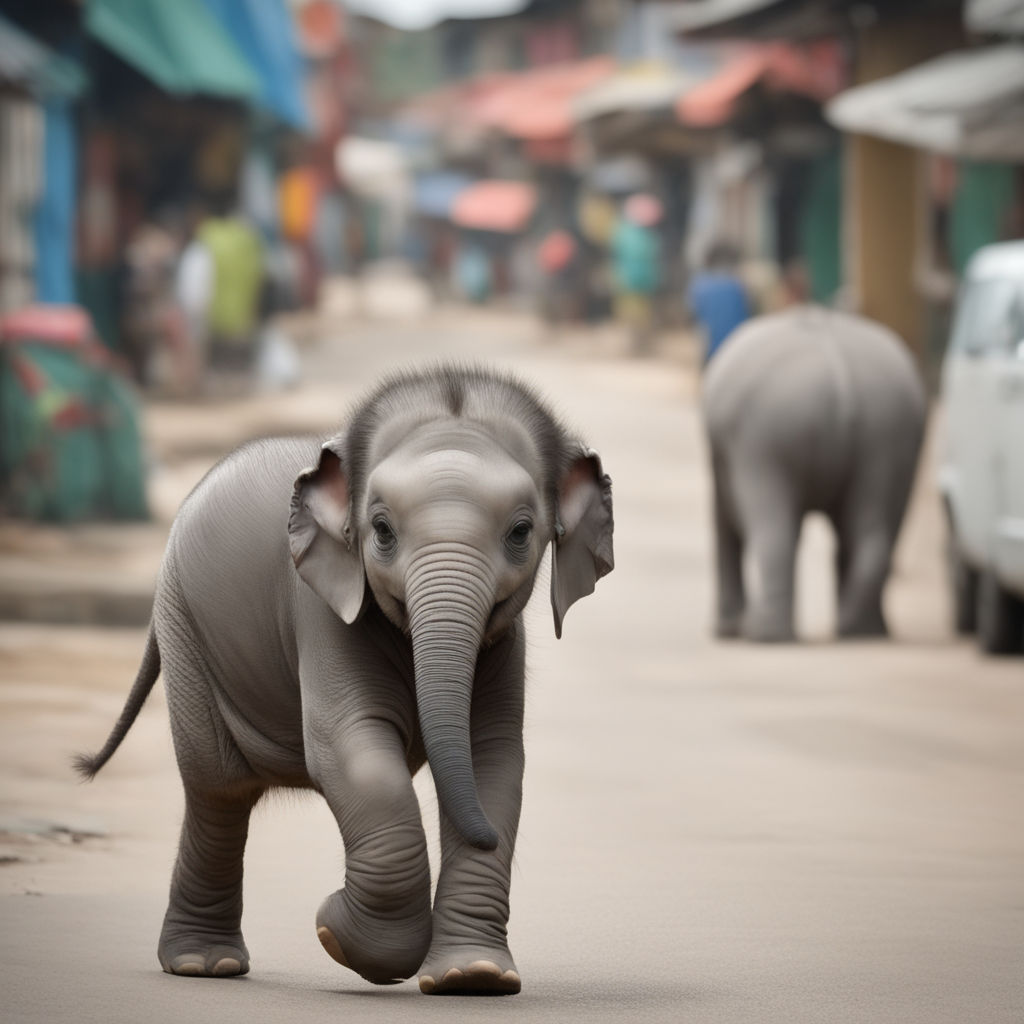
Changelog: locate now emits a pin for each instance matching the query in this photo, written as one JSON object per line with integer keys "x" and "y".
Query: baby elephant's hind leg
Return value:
{"x": 202, "y": 932}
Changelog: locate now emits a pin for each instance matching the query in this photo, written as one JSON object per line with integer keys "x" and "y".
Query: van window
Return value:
{"x": 987, "y": 316}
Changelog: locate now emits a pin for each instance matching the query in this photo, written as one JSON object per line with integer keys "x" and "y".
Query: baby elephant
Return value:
{"x": 809, "y": 410}
{"x": 338, "y": 647}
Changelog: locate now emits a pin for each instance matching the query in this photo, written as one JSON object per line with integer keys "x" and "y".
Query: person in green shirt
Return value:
{"x": 236, "y": 254}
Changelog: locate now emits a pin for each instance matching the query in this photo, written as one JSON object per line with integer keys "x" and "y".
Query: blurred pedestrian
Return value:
{"x": 557, "y": 257}
{"x": 152, "y": 326}
{"x": 193, "y": 287}
{"x": 236, "y": 255}
{"x": 636, "y": 267}
{"x": 299, "y": 190}
{"x": 716, "y": 297}
{"x": 474, "y": 276}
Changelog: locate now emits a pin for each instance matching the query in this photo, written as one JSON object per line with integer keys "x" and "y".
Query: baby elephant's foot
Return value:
{"x": 387, "y": 955}
{"x": 202, "y": 955}
{"x": 470, "y": 971}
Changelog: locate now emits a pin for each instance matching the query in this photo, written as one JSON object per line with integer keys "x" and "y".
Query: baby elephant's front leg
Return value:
{"x": 379, "y": 924}
{"x": 469, "y": 951}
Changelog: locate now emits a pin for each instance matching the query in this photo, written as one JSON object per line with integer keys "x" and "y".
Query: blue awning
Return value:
{"x": 263, "y": 30}
{"x": 240, "y": 49}
{"x": 177, "y": 44}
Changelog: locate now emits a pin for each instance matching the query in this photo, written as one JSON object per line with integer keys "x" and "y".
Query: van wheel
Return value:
{"x": 1000, "y": 618}
{"x": 963, "y": 585}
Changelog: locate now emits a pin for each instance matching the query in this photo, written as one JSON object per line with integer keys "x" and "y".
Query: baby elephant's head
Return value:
{"x": 442, "y": 495}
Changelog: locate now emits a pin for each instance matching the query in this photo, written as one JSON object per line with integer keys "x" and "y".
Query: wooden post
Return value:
{"x": 885, "y": 202}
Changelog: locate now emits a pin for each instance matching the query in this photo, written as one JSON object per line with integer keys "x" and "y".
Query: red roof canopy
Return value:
{"x": 815, "y": 71}
{"x": 493, "y": 205}
{"x": 536, "y": 104}
{"x": 531, "y": 105}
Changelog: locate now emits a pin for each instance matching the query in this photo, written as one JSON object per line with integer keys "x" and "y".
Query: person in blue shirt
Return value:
{"x": 636, "y": 267}
{"x": 717, "y": 298}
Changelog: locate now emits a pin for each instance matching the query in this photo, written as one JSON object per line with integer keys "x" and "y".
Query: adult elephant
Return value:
{"x": 809, "y": 410}
{"x": 339, "y": 648}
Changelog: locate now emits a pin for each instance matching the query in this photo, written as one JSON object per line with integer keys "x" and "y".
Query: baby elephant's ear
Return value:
{"x": 582, "y": 551}
{"x": 324, "y": 549}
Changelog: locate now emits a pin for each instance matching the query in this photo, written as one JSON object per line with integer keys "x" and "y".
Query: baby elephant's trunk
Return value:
{"x": 447, "y": 615}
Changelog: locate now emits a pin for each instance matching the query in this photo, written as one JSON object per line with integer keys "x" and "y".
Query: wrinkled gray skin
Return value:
{"x": 340, "y": 648}
{"x": 809, "y": 410}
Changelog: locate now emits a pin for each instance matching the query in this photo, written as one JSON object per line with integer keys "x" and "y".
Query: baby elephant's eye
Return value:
{"x": 518, "y": 538}
{"x": 384, "y": 538}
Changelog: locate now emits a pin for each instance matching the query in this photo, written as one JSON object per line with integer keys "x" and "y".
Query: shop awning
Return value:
{"x": 537, "y": 104}
{"x": 504, "y": 206}
{"x": 264, "y": 32}
{"x": 645, "y": 87}
{"x": 178, "y": 44}
{"x": 815, "y": 70}
{"x": 36, "y": 68}
{"x": 969, "y": 104}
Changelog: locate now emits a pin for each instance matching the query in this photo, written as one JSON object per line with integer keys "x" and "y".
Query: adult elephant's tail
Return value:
{"x": 87, "y": 765}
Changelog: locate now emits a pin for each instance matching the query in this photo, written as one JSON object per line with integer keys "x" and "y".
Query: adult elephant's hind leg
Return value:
{"x": 771, "y": 516}
{"x": 866, "y": 540}
{"x": 728, "y": 557}
{"x": 868, "y": 526}
{"x": 202, "y": 931}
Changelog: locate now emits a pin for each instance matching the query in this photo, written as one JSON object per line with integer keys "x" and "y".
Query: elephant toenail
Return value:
{"x": 331, "y": 944}
{"x": 484, "y": 967}
{"x": 187, "y": 965}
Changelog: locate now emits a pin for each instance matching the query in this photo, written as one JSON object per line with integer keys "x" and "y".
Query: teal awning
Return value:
{"x": 35, "y": 67}
{"x": 178, "y": 44}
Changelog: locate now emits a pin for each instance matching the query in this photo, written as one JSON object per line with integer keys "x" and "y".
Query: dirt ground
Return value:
{"x": 711, "y": 832}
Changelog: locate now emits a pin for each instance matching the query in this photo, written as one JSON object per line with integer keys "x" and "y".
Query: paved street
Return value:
{"x": 711, "y": 832}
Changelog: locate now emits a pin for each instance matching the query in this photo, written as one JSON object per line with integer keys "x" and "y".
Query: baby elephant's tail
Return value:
{"x": 88, "y": 765}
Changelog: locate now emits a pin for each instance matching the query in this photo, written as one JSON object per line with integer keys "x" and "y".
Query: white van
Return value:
{"x": 981, "y": 474}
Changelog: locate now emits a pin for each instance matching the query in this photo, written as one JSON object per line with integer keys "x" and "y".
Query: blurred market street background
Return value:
{"x": 225, "y": 219}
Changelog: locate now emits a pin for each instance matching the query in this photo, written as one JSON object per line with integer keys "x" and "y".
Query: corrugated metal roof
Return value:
{"x": 968, "y": 103}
